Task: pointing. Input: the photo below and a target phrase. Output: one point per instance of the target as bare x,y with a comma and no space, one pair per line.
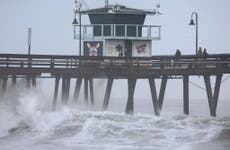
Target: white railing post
115,34
102,30
84,32
125,30
159,32
111,30
93,30
149,30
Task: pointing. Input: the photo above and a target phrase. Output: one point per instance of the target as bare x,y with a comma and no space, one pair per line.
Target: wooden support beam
1,84
217,89
28,82
186,94
154,96
162,91
34,84
14,80
56,92
64,90
77,89
131,89
91,87
209,95
4,84
67,88
107,93
86,91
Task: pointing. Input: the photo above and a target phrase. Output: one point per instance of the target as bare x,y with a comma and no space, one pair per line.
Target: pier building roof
119,9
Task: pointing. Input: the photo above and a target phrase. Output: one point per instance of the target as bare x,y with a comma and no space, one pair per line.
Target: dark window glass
97,30
120,30
107,30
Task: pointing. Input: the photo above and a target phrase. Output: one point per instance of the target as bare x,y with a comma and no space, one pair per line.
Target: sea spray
28,108
17,111
74,129
135,132
44,122
8,120
27,111
70,128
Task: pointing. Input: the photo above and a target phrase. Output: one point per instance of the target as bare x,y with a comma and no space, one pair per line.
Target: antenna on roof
106,3
158,6
87,7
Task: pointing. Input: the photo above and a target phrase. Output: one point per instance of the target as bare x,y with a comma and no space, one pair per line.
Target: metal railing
152,32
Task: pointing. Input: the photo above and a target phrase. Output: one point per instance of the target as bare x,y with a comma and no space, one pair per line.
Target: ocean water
27,123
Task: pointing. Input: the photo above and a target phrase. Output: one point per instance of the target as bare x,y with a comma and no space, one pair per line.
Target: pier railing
152,32
154,62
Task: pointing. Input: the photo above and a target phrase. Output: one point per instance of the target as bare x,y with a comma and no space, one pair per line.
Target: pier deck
104,67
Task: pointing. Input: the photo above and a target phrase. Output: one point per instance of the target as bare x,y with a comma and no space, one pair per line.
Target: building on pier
116,30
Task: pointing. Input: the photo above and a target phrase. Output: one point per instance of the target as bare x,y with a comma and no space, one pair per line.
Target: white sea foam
98,130
74,129
8,120
26,110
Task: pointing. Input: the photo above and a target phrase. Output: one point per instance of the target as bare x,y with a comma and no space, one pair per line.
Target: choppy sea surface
25,125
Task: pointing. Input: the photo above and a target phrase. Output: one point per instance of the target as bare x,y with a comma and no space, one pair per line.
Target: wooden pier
85,69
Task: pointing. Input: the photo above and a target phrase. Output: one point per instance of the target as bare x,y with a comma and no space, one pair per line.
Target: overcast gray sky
52,29
51,21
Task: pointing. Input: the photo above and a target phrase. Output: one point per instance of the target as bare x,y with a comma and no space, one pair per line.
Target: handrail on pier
154,62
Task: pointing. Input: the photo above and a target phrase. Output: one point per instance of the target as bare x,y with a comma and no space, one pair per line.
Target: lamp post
29,40
195,23
75,23
80,30
29,45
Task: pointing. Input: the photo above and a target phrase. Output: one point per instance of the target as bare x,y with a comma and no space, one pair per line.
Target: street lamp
195,23
29,40
77,9
74,23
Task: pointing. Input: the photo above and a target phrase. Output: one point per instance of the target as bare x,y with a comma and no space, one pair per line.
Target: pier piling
86,91
158,101
131,89
162,91
154,96
77,89
0,84
217,89
34,83
57,79
107,93
65,89
91,87
28,82
14,80
186,94
212,98
4,84
209,95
